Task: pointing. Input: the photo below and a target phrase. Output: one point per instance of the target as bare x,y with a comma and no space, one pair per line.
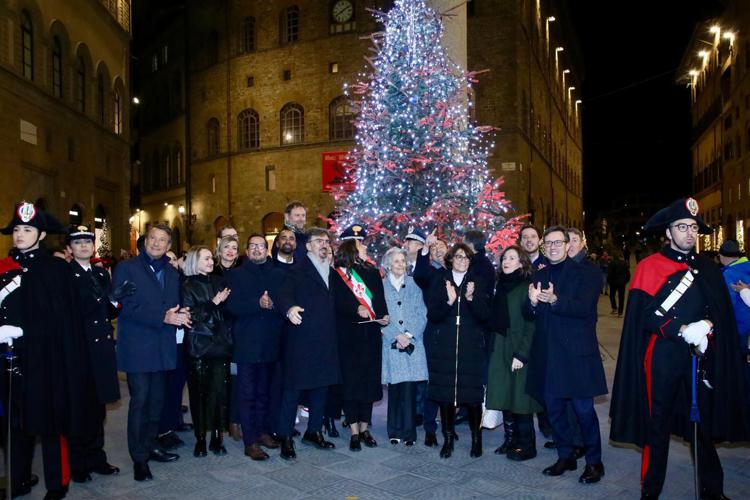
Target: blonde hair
226,240
191,261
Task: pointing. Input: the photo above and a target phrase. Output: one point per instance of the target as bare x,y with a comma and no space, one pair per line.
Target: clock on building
342,11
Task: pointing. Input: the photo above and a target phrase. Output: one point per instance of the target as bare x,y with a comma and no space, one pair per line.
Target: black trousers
402,411
357,411
316,402
54,456
208,388
254,382
87,451
144,412
171,413
670,372
619,303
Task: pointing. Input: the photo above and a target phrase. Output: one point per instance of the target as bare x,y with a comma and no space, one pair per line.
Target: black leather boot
330,426
287,448
509,426
525,447
447,422
216,445
200,447
475,424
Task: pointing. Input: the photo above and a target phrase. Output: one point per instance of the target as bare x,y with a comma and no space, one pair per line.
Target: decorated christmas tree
419,160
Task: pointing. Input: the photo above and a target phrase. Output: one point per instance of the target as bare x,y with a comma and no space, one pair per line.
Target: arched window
248,126
341,115
292,124
166,176
101,109
81,84
290,25
57,71
178,165
247,35
27,45
212,136
117,112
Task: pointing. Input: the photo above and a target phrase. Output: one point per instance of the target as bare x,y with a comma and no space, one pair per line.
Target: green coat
506,390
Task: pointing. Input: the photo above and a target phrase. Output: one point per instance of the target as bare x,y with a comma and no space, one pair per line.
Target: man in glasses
564,365
310,355
678,314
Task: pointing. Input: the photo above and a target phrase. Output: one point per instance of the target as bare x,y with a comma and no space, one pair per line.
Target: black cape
725,411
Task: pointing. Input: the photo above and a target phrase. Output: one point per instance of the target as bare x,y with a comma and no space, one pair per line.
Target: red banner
334,171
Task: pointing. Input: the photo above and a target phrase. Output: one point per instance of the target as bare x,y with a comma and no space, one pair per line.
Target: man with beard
257,335
564,366
40,321
678,325
98,308
528,239
310,357
285,245
295,218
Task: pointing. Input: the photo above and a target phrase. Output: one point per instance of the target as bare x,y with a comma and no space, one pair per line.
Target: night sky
636,119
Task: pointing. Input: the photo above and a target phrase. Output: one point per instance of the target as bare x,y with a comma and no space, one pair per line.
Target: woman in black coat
208,345
457,305
360,344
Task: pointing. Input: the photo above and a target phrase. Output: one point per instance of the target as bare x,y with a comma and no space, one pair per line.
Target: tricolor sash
358,287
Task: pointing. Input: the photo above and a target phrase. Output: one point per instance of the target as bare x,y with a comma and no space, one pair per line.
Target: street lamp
136,101
565,72
578,102
570,89
557,52
550,19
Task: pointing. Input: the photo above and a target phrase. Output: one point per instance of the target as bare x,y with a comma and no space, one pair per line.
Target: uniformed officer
98,308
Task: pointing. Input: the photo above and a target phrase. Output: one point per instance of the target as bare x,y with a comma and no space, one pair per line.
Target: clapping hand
469,291
534,292
547,295
221,296
452,295
265,301
178,317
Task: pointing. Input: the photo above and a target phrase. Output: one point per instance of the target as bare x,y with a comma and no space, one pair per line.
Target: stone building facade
266,114
64,89
716,66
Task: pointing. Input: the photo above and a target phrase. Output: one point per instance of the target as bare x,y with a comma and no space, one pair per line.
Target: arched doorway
272,223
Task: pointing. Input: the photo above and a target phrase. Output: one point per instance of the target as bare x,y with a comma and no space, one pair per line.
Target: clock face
343,11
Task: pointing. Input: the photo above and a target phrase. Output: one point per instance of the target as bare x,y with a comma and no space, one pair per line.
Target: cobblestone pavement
397,472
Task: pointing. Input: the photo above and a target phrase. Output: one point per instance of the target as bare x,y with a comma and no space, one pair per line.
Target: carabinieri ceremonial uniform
673,292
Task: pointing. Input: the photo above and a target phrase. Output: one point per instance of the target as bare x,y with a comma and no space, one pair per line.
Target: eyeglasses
256,245
460,257
684,227
556,244
322,241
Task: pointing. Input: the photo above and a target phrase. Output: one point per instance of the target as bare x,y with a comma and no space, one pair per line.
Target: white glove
696,332
703,345
517,364
8,333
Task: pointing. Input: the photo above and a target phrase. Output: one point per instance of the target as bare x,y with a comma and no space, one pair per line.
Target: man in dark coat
147,343
565,366
40,321
310,357
678,314
618,275
98,309
295,218
257,326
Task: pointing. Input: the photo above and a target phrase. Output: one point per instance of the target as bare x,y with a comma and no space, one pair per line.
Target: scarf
324,268
500,314
458,278
156,264
396,282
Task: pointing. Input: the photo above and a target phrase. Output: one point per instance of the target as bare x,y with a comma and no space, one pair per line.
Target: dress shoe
170,441
158,455
186,426
106,469
255,452
592,473
200,448
235,431
287,449
56,494
367,438
521,454
408,442
394,440
430,439
80,477
559,467
268,441
476,444
354,443
141,472
25,486
705,495
550,445
317,439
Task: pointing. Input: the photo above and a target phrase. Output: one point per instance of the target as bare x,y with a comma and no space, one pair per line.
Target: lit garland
419,160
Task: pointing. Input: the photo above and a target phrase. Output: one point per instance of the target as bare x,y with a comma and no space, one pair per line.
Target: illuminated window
117,112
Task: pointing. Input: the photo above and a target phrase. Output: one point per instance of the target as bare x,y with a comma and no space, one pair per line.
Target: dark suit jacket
310,358
565,360
144,342
97,312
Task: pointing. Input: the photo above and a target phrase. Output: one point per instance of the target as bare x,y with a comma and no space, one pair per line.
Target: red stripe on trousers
647,370
64,463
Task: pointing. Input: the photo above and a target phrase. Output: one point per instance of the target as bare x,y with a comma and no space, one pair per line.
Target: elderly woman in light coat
404,360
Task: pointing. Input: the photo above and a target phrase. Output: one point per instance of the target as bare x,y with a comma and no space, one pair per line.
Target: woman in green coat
506,387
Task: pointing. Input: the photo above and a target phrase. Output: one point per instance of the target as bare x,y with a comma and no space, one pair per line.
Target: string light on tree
419,160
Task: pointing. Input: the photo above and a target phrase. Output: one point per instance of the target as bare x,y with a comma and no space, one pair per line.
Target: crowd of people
314,324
